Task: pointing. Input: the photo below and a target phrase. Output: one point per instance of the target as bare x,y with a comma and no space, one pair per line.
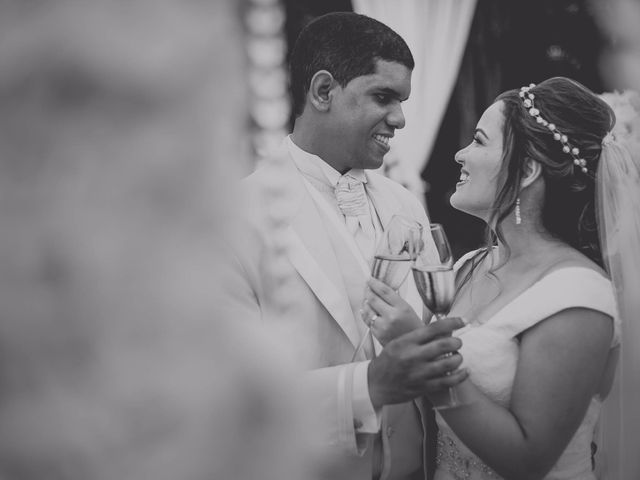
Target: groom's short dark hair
347,45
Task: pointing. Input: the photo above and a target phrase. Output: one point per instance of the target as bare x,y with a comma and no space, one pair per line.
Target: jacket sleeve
327,392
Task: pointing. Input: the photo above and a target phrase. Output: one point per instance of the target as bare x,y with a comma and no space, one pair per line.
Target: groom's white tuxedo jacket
327,289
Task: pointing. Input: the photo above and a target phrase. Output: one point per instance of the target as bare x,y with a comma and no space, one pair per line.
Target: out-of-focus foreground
120,126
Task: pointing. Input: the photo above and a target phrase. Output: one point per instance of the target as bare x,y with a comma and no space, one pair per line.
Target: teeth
464,176
382,139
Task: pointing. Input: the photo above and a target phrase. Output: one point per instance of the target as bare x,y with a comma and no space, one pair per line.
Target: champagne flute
435,281
395,252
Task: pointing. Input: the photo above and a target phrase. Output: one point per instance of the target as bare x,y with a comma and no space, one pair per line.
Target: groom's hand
414,364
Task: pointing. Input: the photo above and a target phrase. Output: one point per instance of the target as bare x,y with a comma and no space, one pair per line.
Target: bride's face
480,163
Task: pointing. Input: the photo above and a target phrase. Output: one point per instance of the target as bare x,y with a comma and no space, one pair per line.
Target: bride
543,331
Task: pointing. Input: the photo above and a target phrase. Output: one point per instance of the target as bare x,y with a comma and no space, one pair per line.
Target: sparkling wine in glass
391,269
395,252
435,281
436,286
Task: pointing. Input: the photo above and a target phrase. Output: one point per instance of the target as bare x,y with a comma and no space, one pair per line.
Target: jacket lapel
385,203
311,254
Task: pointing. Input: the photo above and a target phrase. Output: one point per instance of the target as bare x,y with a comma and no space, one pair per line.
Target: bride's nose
459,156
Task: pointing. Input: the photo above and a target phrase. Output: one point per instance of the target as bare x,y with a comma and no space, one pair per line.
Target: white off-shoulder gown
490,353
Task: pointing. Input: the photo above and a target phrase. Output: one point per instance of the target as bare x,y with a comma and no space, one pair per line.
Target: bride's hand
392,315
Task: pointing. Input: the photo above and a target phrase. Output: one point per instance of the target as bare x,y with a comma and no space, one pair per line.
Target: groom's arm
337,396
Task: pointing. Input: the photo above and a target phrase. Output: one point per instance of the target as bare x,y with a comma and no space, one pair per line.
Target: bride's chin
454,201
459,205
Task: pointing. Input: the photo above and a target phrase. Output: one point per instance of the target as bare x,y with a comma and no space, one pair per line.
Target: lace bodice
490,353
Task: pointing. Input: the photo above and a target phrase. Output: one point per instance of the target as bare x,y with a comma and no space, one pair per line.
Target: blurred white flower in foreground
122,125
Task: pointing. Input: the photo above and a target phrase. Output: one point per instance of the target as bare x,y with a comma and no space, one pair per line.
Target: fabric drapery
436,32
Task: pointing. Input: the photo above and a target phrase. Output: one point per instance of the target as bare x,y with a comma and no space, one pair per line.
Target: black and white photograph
319,240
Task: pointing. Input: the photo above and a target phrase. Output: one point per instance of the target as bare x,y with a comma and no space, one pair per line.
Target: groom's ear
532,170
320,90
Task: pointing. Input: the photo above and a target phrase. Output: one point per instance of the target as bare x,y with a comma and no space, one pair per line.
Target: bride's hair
568,211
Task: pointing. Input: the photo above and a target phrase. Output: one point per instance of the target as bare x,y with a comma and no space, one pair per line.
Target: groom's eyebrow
393,93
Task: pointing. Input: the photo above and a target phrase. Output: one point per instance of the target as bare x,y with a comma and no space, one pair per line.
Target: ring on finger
373,319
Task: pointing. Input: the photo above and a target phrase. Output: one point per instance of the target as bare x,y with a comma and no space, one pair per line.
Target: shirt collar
314,166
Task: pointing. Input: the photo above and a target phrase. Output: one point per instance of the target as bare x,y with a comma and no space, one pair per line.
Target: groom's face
366,113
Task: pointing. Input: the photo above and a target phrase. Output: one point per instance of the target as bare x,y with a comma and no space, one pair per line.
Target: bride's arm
561,361
560,365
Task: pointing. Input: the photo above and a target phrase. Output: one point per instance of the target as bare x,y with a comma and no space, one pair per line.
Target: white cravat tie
354,205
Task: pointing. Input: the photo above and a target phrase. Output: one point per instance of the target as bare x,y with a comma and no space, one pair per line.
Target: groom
349,77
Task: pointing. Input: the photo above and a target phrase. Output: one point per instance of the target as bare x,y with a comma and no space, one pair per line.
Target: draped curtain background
436,32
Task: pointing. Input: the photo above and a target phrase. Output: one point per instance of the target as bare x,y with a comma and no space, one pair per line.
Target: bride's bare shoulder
570,257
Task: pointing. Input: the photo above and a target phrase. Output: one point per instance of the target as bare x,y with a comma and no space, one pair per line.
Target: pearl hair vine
528,102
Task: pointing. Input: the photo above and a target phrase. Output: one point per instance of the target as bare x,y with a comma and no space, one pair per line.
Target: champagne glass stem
453,400
368,336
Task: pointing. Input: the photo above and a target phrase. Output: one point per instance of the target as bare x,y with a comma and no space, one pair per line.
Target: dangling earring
518,217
